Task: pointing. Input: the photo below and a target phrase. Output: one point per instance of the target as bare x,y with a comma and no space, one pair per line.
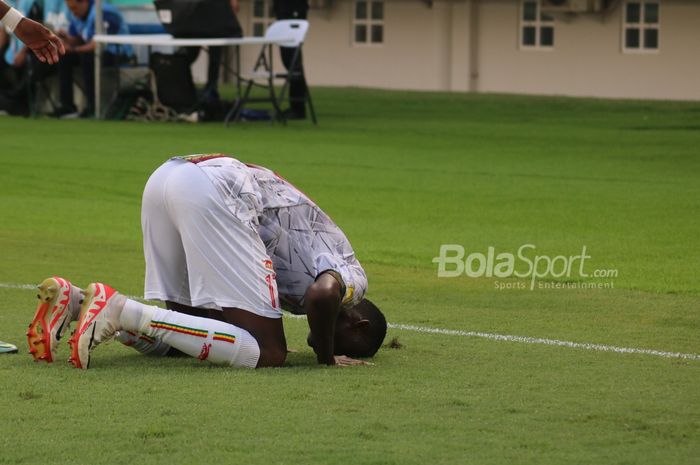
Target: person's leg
15,99
199,255
105,312
65,73
7,73
297,83
268,332
166,264
205,338
167,277
87,64
211,89
152,346
227,264
190,52
285,9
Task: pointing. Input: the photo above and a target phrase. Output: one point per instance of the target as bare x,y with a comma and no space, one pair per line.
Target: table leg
98,81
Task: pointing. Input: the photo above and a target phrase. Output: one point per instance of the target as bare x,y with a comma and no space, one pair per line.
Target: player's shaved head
360,331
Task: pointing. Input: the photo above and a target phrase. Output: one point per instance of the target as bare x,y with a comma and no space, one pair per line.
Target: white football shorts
197,251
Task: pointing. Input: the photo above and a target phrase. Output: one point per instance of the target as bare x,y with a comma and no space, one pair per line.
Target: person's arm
84,48
322,304
44,43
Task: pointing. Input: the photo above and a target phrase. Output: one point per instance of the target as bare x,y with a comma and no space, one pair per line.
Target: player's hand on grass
345,361
45,44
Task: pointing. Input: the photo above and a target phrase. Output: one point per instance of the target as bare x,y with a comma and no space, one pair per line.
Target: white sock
76,299
204,338
143,343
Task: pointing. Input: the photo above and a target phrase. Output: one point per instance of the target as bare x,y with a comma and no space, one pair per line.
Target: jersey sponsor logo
268,265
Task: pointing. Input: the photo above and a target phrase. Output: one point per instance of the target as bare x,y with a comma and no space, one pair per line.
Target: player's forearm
322,325
4,8
322,304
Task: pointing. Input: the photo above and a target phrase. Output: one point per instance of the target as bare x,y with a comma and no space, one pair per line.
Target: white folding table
154,40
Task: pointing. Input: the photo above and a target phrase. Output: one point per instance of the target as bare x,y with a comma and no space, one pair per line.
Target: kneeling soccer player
219,238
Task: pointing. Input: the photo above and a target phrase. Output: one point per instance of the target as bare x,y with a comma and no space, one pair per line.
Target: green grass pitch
401,173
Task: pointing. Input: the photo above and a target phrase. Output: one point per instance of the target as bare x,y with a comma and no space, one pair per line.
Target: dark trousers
297,83
18,85
86,63
293,9
215,54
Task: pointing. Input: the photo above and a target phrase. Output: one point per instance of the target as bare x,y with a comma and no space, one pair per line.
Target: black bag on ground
125,100
174,81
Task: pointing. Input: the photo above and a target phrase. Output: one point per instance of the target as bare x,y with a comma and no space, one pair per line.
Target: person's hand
44,43
345,361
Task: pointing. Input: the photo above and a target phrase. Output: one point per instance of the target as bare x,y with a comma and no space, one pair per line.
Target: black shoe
87,113
65,112
210,97
291,114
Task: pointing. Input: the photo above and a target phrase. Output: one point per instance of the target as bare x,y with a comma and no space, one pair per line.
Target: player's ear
360,323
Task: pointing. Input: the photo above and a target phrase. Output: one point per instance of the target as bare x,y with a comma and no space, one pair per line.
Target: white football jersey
300,238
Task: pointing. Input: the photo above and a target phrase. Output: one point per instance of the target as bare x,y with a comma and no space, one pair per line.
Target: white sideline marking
549,342
491,336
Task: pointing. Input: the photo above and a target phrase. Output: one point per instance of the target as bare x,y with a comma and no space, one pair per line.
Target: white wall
587,59
429,48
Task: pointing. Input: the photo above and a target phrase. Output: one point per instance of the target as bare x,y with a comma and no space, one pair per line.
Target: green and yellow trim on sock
179,329
225,337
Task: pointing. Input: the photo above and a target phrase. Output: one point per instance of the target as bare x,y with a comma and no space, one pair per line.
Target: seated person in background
56,15
80,51
19,67
210,94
